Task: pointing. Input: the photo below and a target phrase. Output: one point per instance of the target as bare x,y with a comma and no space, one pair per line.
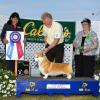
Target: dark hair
86,20
13,15
46,14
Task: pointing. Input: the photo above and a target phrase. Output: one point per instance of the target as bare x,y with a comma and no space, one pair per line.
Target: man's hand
5,41
52,45
45,50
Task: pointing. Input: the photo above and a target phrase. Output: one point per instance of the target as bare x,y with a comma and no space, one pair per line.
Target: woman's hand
95,45
75,45
5,41
86,50
24,40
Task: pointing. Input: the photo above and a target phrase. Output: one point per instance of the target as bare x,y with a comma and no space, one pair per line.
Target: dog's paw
69,76
45,77
96,77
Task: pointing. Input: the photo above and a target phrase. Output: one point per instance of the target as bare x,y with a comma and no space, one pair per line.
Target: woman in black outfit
85,44
13,24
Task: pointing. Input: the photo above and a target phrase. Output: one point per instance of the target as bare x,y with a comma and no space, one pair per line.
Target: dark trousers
10,65
56,54
84,66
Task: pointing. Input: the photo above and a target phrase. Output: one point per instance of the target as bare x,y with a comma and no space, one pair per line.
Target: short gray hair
45,15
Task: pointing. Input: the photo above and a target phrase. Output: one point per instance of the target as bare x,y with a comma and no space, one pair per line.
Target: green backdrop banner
34,30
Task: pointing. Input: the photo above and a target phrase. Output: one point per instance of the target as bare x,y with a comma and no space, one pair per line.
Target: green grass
54,97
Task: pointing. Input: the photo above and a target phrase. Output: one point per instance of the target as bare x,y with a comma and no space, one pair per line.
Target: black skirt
84,65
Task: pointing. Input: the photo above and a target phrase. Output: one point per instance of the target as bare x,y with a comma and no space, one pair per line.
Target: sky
65,10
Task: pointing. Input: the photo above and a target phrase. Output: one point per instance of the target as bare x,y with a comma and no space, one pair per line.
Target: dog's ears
37,53
43,53
40,53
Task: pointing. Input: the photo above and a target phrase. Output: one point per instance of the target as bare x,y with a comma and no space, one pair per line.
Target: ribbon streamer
15,37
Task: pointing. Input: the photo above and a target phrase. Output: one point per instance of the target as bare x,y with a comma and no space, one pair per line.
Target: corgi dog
47,67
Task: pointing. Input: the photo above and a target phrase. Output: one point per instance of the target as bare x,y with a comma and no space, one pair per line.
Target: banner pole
16,65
